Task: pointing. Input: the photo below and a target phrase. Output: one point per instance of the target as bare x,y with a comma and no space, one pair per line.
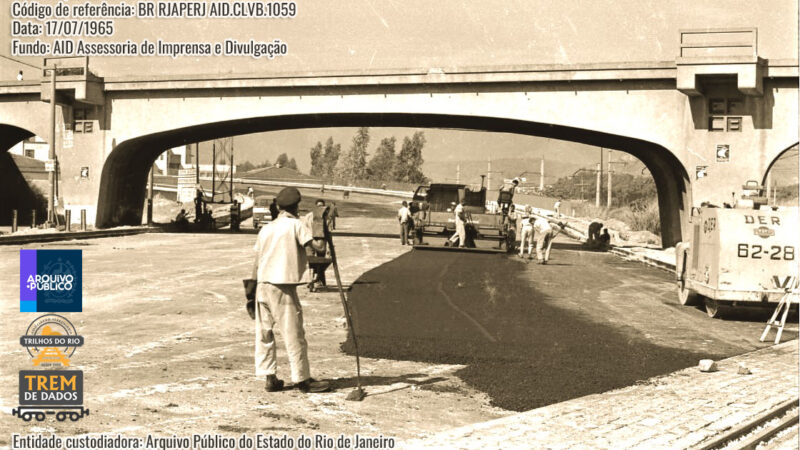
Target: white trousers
278,304
526,238
460,234
543,242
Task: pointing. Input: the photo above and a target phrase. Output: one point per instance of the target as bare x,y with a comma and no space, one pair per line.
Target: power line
20,62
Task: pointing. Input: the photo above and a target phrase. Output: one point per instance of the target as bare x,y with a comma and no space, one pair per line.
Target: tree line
282,161
386,164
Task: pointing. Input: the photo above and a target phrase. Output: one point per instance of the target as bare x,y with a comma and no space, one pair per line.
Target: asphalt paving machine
742,254
433,208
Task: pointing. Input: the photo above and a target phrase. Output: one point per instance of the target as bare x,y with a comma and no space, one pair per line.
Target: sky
357,35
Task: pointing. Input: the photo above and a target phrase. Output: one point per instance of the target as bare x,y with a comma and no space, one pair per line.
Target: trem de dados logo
50,340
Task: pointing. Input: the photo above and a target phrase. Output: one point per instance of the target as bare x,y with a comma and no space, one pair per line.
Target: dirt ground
169,349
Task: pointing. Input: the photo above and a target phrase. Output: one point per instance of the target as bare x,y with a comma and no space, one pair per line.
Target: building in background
33,147
175,159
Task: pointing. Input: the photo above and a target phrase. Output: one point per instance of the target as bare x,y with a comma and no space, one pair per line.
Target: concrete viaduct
671,115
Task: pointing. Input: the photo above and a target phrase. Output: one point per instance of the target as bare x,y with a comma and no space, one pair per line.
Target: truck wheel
686,296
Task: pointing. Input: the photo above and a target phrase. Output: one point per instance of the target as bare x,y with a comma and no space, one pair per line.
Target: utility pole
197,163
489,175
51,155
599,172
600,178
150,196
231,170
609,178
213,169
582,184
541,175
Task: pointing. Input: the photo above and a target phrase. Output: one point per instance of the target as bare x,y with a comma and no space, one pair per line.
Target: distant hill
277,173
441,171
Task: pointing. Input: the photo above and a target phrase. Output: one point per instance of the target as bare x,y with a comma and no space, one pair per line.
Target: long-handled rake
358,393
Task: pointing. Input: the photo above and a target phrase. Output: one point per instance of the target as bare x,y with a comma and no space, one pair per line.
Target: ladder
792,295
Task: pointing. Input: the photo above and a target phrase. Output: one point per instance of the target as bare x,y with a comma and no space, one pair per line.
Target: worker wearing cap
280,266
545,232
526,233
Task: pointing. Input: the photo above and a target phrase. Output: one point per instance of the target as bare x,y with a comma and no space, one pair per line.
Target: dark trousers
404,233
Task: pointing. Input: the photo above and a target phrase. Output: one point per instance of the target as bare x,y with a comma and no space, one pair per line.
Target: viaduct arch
122,186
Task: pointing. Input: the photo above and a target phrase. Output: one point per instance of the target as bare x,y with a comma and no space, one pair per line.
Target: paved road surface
532,335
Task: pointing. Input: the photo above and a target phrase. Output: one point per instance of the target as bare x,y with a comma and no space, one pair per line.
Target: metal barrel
67,219
83,220
33,218
14,221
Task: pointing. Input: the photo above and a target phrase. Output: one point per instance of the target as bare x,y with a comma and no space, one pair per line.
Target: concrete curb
73,235
644,259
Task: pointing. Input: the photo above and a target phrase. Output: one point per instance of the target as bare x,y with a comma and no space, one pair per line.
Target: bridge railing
297,184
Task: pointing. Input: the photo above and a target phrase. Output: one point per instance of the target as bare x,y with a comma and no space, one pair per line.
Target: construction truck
438,201
261,213
742,254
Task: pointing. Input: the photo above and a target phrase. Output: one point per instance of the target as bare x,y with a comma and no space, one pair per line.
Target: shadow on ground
473,309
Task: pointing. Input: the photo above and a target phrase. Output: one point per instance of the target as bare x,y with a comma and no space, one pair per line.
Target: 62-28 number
756,251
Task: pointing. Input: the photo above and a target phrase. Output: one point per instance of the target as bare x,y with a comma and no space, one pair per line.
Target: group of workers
596,240
410,216
532,229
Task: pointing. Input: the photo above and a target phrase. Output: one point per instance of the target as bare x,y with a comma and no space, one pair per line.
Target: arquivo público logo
51,340
50,281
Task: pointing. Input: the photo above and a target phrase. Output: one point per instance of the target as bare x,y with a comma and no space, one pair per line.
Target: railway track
759,430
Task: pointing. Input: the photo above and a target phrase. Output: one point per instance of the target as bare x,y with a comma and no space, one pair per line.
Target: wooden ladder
792,295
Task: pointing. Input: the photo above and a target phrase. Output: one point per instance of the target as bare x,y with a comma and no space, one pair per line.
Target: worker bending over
280,265
545,233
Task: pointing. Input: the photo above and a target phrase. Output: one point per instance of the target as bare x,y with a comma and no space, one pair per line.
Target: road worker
318,271
404,218
526,233
506,195
235,214
280,266
460,235
545,233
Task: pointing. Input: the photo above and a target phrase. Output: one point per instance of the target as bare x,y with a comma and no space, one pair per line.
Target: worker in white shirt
403,215
460,235
557,208
526,233
545,232
506,195
280,266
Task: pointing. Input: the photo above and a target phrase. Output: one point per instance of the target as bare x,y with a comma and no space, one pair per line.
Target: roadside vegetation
634,199
387,166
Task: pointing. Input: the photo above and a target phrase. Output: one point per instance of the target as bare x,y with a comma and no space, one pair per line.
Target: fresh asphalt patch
518,347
